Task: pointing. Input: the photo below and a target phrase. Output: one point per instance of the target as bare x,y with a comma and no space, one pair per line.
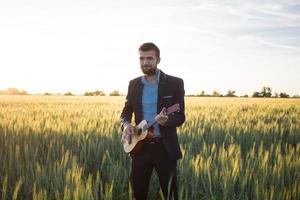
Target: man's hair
149,46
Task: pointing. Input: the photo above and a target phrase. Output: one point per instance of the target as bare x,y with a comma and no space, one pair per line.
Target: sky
71,45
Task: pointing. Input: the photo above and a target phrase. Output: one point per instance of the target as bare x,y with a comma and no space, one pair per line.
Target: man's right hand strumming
127,132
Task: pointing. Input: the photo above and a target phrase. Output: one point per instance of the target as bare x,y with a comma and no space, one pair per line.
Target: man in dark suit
147,98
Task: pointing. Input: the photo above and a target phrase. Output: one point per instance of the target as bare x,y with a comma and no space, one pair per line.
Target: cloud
268,43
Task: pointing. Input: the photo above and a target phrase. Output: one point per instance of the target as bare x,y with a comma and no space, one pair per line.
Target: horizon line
120,93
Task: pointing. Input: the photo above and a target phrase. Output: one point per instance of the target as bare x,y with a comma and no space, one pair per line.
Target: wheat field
68,147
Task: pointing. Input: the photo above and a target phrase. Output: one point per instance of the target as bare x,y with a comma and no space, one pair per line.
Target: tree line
89,93
15,91
265,92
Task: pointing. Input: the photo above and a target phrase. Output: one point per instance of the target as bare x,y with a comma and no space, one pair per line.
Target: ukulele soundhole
140,131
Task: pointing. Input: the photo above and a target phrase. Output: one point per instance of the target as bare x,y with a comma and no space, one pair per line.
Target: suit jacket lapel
162,88
138,100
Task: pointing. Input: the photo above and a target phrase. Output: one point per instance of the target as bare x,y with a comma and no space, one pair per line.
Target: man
147,96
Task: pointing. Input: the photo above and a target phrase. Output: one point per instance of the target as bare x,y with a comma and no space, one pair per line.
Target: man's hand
162,117
127,132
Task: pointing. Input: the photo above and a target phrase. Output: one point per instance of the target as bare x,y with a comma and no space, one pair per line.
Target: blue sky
59,46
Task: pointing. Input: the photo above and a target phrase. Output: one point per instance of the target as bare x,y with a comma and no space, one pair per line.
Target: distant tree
115,93
96,93
88,94
12,91
284,95
276,95
246,96
266,92
230,93
15,91
216,94
23,92
47,93
202,94
69,94
257,94
99,93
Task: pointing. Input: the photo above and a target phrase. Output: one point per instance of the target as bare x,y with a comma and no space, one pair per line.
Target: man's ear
158,60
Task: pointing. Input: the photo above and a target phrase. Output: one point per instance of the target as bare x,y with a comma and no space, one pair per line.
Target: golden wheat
54,147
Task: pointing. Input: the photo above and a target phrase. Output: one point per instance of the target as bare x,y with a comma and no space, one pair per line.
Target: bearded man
148,98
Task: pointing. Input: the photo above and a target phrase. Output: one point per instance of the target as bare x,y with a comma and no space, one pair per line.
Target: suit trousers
153,156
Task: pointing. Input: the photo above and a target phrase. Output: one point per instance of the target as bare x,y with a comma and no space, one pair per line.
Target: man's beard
150,71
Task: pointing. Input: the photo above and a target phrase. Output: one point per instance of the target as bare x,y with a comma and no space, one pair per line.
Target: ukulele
144,132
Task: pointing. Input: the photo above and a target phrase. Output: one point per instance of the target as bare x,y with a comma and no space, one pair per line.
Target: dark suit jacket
170,91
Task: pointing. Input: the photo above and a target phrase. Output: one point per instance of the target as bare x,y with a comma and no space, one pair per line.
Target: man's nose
145,62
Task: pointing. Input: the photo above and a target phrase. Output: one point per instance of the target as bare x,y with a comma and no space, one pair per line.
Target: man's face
148,62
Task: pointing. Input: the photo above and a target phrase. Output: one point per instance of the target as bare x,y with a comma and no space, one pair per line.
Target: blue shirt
149,102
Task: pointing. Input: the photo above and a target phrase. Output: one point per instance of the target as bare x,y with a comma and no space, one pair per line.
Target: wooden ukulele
144,132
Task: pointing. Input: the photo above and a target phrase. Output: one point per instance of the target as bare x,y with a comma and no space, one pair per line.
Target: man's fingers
131,130
161,119
124,137
127,133
163,111
128,138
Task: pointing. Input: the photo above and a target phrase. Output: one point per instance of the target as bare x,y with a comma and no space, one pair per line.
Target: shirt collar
144,81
